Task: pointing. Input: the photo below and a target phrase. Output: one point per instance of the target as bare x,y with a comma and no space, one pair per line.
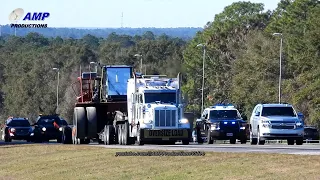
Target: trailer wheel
79,120
92,121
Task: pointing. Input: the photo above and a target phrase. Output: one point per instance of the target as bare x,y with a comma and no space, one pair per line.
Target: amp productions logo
18,14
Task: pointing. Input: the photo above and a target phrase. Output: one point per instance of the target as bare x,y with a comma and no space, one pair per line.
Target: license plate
165,133
229,134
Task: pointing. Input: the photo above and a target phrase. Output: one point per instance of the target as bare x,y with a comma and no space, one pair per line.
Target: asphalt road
305,149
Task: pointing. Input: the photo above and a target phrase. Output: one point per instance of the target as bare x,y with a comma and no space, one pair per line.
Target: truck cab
223,122
276,121
154,104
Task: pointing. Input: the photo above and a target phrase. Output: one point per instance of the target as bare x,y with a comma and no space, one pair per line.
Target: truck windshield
163,97
224,114
278,111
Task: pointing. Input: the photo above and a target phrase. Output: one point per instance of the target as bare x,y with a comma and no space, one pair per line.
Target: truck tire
243,140
290,141
119,127
79,120
299,141
260,142
126,138
92,121
185,142
253,141
107,135
233,141
209,139
66,136
139,140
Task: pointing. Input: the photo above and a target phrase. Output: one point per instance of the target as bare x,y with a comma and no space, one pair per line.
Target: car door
256,118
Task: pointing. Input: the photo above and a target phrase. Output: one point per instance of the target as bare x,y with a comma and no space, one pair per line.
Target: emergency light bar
224,105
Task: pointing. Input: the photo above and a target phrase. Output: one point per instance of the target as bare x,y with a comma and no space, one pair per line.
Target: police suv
223,122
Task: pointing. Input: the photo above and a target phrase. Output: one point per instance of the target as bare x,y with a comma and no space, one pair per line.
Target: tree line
241,62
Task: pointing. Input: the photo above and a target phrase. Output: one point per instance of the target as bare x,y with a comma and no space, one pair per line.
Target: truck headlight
60,128
44,129
299,124
215,126
147,121
183,121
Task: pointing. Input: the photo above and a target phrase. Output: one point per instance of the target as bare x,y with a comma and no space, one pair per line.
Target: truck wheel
290,141
260,142
253,141
233,141
66,136
59,140
92,121
299,141
107,131
209,138
119,127
79,120
139,140
185,142
243,140
126,138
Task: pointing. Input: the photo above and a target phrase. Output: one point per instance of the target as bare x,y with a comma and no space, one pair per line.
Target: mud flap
92,122
79,120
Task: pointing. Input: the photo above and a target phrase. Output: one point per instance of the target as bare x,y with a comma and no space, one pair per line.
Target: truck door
256,118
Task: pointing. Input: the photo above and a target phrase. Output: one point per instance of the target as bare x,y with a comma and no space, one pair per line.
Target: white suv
276,121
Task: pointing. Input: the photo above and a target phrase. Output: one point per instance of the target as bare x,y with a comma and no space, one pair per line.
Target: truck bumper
149,135
221,135
276,134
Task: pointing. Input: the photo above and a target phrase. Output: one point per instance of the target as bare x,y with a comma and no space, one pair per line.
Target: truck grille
282,127
229,127
165,118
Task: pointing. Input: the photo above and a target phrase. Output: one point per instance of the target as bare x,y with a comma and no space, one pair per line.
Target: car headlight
44,129
215,126
183,121
12,129
60,128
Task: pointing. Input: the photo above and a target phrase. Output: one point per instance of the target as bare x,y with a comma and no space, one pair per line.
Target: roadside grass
50,161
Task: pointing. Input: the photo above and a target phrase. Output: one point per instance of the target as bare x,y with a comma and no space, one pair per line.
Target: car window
48,121
224,114
19,123
278,111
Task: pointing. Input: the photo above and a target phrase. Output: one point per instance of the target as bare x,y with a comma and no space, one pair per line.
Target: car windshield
48,121
163,97
19,123
224,114
278,111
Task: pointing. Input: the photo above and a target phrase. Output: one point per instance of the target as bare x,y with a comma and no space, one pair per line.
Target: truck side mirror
257,114
300,115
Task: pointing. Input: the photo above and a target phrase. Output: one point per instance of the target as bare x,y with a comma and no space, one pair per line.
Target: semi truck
124,107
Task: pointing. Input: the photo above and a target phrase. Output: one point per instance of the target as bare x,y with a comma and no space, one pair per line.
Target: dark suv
16,129
49,127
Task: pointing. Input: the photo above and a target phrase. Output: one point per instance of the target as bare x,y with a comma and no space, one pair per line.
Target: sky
136,13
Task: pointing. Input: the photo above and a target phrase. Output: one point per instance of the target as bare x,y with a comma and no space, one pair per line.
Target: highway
306,149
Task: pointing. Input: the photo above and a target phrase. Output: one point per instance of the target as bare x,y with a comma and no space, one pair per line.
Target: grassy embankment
38,161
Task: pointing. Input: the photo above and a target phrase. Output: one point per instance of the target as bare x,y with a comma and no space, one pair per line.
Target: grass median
36,161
